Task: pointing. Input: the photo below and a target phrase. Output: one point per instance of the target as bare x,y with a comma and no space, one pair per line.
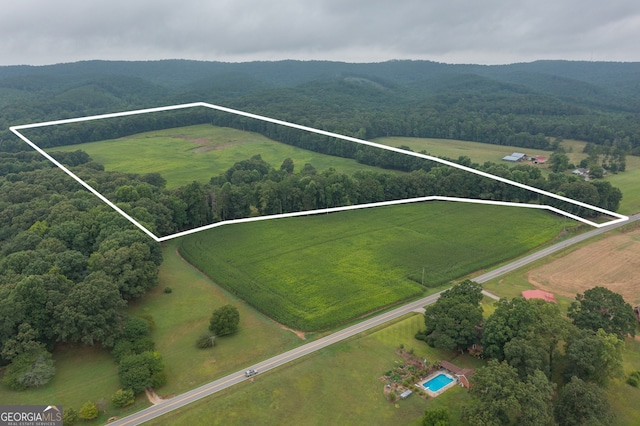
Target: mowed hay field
315,272
612,262
182,155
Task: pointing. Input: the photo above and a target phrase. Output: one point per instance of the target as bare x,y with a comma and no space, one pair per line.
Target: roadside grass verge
336,385
184,154
316,272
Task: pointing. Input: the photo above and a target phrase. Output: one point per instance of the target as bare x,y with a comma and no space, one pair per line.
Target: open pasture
315,272
479,152
337,385
182,155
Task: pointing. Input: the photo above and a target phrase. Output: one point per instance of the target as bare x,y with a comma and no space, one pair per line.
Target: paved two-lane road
279,360
276,361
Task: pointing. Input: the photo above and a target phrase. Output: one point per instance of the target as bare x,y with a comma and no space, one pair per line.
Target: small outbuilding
539,294
405,394
539,159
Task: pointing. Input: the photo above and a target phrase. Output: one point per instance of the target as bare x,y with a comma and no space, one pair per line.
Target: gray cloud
483,31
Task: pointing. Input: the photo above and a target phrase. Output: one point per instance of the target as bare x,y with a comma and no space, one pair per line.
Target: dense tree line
68,265
253,184
526,341
253,187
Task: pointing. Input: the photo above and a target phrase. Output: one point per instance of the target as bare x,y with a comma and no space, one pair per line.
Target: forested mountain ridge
504,104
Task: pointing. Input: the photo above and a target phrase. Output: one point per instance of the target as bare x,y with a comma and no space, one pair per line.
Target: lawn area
83,373
315,272
180,317
182,155
337,385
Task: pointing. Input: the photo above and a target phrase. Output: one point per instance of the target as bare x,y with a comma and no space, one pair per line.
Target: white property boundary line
16,131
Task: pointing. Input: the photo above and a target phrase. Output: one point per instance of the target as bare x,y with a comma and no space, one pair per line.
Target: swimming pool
438,382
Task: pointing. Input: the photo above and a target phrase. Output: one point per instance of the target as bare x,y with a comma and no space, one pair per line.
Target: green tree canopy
559,162
512,318
500,397
601,308
88,411
30,369
580,403
224,320
436,417
594,357
453,320
140,371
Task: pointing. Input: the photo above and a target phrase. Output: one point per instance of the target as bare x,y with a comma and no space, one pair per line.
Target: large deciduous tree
452,322
594,357
601,308
436,417
580,403
29,369
500,397
140,371
512,318
91,312
224,320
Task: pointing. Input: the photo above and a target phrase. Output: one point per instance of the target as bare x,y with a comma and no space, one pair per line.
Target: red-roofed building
539,159
539,294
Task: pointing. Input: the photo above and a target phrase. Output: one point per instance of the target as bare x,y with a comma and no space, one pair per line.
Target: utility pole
423,276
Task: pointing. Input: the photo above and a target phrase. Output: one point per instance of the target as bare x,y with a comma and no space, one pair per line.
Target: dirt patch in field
204,144
153,397
613,262
298,333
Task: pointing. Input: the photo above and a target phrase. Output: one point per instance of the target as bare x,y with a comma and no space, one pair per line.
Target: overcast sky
455,31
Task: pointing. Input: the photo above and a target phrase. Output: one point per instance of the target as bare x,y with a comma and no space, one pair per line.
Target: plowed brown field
613,262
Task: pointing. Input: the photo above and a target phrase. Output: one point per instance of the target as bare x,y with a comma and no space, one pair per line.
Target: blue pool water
437,383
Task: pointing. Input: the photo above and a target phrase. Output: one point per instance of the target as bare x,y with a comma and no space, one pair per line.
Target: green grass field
479,152
183,315
314,272
628,182
185,154
180,317
337,385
